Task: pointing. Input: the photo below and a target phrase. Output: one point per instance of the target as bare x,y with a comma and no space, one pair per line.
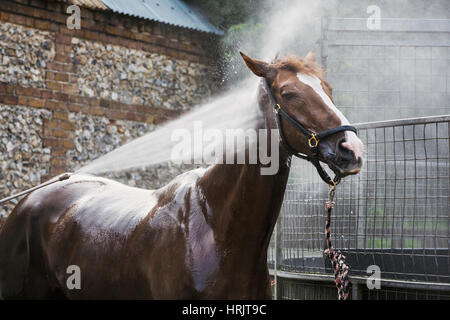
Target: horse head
310,124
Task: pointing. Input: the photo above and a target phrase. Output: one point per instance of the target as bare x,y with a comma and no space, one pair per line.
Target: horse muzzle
341,158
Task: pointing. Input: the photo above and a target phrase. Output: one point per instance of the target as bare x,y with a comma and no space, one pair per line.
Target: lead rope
337,259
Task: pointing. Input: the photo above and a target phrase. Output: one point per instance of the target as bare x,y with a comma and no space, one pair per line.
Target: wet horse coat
204,235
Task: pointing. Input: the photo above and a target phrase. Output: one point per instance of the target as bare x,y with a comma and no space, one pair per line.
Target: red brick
73,107
70,88
6,88
140,117
66,125
70,68
59,151
22,100
56,66
4,16
59,133
51,104
36,103
53,6
150,119
104,103
62,48
36,92
46,94
90,35
51,123
61,105
37,3
94,102
18,19
131,116
60,38
42,24
57,17
61,96
61,57
97,111
112,30
85,109
61,77
52,85
114,40
24,91
47,132
130,107
54,142
54,171
50,142
58,161
116,115
9,99
68,144
29,22
86,14
87,100
73,78
62,115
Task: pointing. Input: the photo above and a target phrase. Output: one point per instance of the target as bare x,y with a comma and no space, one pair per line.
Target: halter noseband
313,139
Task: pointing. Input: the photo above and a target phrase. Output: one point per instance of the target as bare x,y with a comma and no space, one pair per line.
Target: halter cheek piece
313,139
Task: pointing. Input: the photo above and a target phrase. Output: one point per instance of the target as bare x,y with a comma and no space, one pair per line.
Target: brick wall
162,70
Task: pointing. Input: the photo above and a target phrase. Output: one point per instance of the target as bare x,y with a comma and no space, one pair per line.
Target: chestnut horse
203,236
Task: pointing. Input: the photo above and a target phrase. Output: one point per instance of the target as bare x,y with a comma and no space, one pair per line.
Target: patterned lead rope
337,259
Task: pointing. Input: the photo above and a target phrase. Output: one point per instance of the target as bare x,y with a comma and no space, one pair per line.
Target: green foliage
241,37
378,243
238,18
227,13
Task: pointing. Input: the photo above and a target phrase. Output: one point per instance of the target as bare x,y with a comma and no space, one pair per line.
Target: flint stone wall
138,77
25,54
23,157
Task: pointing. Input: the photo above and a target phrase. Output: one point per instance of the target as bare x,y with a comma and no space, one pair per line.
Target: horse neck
244,203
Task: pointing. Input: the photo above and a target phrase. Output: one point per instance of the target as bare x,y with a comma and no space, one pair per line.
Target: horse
202,236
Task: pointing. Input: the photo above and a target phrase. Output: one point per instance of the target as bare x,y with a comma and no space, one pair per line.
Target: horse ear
258,67
310,57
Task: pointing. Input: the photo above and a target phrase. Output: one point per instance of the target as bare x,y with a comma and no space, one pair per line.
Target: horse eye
289,95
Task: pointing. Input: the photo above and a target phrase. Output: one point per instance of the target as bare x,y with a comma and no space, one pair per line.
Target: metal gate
394,215
400,71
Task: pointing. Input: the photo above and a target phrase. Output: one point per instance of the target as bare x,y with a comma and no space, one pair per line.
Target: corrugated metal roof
92,4
174,12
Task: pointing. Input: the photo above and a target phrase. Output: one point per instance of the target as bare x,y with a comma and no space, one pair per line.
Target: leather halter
313,138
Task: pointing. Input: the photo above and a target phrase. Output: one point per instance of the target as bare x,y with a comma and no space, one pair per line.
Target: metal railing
393,214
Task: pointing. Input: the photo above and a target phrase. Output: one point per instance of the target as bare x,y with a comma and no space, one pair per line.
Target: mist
285,27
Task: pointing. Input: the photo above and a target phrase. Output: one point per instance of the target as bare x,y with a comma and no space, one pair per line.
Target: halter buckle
277,107
332,188
313,141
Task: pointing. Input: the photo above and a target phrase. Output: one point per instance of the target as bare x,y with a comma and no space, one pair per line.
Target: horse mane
296,64
299,65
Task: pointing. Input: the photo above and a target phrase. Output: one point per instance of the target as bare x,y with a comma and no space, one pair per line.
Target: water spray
62,177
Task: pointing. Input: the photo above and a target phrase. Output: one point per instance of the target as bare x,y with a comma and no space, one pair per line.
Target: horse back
93,223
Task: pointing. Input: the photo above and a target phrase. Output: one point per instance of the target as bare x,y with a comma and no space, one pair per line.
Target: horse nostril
344,152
